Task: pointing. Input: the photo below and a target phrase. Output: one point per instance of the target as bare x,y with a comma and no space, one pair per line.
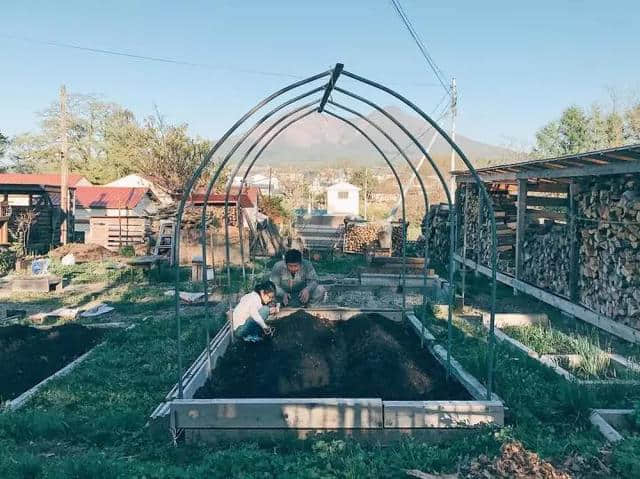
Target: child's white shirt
248,307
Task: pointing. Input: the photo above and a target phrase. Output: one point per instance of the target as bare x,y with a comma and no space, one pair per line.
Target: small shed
343,199
113,216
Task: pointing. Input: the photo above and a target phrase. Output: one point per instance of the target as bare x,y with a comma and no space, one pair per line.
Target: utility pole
64,167
454,111
269,182
366,175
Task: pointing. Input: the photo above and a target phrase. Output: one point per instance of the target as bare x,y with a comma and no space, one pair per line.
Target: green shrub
7,261
127,251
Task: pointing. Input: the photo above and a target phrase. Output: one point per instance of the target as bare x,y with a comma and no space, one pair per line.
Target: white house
343,199
141,181
259,181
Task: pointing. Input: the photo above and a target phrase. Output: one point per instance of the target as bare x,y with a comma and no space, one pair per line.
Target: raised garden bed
577,359
616,424
363,375
366,356
29,355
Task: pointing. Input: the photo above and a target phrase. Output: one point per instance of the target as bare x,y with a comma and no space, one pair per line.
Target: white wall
338,205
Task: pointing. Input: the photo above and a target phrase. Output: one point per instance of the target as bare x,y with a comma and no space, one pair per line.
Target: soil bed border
607,420
214,420
552,361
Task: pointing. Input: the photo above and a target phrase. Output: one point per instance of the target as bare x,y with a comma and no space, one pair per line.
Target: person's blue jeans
252,330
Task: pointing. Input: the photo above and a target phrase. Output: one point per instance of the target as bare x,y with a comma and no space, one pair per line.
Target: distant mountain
321,138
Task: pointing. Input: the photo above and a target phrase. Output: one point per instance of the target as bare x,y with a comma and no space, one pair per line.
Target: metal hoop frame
327,89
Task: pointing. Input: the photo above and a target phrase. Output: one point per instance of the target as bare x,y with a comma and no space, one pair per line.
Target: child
251,311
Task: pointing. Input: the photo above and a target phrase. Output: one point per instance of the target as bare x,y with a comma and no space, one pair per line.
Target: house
248,200
49,179
144,181
343,199
113,216
261,182
36,195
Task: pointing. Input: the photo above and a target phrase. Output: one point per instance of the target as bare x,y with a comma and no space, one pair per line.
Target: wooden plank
475,388
604,427
620,330
548,187
546,214
521,225
503,320
313,413
547,201
419,328
21,400
442,414
574,266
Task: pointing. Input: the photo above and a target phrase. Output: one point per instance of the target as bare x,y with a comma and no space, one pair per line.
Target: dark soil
29,355
367,356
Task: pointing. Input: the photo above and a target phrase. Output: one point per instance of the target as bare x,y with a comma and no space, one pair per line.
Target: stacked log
546,258
360,236
192,216
436,233
398,231
479,242
609,221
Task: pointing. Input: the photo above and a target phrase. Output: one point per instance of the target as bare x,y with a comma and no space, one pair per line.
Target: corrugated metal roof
624,159
49,179
109,197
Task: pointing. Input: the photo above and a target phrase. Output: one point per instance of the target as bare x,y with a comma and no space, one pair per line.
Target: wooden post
521,224
64,167
478,241
573,243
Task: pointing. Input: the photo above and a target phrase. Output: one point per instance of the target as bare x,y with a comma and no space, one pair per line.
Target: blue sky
517,64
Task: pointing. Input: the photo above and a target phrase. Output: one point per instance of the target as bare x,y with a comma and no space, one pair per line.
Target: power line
149,58
423,49
175,61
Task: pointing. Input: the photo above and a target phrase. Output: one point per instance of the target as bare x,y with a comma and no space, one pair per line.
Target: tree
4,143
363,179
632,124
574,132
548,141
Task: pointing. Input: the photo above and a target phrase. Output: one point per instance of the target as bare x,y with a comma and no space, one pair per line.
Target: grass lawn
92,423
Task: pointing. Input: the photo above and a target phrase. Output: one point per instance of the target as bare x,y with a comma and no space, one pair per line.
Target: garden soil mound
29,355
83,252
367,356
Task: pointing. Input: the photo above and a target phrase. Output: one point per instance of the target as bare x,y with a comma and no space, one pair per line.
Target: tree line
578,130
106,142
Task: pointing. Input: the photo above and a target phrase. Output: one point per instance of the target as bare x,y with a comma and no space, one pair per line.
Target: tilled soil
29,355
367,356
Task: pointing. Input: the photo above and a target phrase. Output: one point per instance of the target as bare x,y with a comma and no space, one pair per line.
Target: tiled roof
109,196
50,179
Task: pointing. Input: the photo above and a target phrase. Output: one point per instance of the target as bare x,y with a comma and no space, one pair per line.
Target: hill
322,138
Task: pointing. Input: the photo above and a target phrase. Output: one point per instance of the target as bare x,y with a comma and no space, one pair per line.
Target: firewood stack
609,221
397,233
546,258
479,244
359,236
437,233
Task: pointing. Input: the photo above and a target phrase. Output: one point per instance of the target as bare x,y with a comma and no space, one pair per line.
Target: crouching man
296,281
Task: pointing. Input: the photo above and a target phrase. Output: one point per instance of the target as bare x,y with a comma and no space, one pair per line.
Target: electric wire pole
64,168
454,111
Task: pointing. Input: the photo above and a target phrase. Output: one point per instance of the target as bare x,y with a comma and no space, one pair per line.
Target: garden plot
29,355
576,358
365,376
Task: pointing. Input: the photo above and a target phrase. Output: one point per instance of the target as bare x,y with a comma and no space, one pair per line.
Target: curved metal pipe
187,192
482,188
237,168
291,122
451,214
424,191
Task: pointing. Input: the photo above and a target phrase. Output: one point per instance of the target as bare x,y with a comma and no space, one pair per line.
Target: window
343,195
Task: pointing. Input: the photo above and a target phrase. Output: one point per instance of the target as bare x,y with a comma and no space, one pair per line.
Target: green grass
92,423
